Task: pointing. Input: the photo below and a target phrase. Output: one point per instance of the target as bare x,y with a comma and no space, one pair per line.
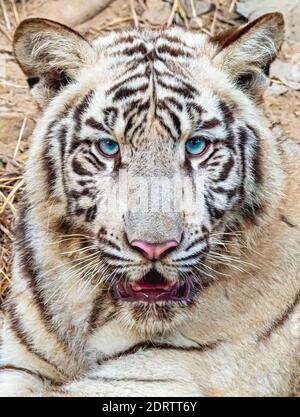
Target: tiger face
133,110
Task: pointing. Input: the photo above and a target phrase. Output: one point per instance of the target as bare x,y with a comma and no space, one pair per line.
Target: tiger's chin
150,320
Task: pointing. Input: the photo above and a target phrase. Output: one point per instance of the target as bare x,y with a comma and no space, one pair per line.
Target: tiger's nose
153,251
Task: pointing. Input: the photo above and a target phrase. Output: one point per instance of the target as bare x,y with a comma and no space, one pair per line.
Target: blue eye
196,146
108,147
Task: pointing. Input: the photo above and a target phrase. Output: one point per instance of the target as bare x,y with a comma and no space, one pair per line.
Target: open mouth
151,288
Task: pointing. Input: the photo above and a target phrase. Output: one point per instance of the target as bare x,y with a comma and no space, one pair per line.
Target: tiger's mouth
153,287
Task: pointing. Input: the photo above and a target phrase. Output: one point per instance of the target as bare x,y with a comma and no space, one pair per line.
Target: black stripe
227,113
172,39
285,220
226,169
125,92
137,380
173,116
77,142
138,128
108,242
242,144
123,39
91,213
24,338
80,109
50,169
115,257
96,125
94,160
96,320
79,169
159,346
257,165
174,102
214,212
195,242
166,127
210,124
123,82
110,116
131,106
194,109
31,272
189,257
172,51
62,143
129,124
136,49
281,320
183,91
229,193
36,374
48,162
62,140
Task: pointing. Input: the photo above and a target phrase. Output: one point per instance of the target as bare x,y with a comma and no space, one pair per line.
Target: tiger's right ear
51,55
246,52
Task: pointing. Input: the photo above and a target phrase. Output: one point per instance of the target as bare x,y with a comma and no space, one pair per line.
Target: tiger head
132,114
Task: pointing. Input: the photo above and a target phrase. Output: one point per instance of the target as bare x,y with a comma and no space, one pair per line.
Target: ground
18,113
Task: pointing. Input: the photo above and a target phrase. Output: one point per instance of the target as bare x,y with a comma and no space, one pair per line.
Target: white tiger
201,302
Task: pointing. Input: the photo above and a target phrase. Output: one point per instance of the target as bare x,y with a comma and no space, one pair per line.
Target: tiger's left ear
51,55
246,52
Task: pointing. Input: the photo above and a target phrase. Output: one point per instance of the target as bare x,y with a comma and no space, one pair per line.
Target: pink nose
153,250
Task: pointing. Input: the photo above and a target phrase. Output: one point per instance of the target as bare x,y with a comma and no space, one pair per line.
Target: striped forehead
150,88
173,42
170,109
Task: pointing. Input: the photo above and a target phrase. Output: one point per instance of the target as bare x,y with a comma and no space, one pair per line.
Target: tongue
144,291
145,285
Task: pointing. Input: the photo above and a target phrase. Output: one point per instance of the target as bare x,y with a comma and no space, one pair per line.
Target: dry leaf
201,7
157,12
288,73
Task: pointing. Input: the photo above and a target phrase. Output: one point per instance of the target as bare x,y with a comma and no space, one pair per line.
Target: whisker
74,273
87,248
233,259
82,274
226,264
73,261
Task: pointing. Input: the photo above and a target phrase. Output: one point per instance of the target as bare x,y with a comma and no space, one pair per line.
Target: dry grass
11,182
11,165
